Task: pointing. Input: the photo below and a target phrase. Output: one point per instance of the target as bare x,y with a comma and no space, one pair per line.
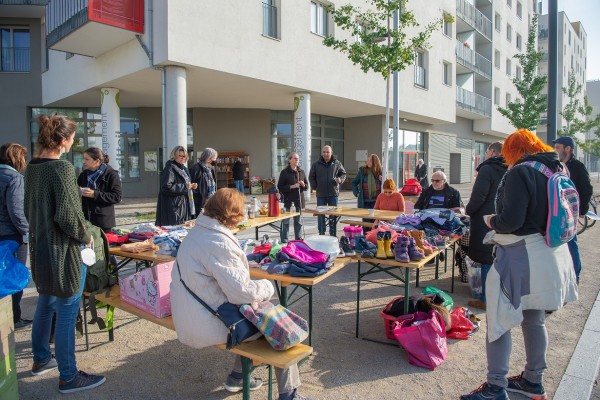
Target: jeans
285,227
288,379
485,268
239,185
64,339
327,201
535,337
574,250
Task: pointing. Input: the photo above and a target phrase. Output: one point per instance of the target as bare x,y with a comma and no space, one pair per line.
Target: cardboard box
149,289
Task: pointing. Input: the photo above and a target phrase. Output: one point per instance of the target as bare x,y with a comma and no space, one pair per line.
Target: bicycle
584,222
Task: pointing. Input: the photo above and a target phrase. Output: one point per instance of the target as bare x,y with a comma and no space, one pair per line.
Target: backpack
563,205
411,187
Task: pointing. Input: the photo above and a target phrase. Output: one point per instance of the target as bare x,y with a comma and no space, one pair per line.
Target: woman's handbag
281,327
423,336
239,327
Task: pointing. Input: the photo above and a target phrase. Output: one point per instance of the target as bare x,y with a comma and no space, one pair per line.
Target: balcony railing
63,17
14,59
420,74
473,60
472,16
473,102
269,20
23,2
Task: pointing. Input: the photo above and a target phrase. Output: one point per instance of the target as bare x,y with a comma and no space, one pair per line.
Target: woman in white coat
215,268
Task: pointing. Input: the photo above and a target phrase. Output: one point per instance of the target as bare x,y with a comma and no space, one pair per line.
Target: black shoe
22,323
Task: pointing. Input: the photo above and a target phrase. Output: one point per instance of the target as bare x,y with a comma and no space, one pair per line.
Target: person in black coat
238,175
175,201
439,194
100,187
203,175
292,181
489,175
421,172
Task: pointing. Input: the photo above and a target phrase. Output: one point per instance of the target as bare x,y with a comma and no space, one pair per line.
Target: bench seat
358,223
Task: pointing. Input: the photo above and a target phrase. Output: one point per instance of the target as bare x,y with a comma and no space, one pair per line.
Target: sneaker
235,385
22,323
42,368
367,254
346,247
518,384
341,252
82,381
294,396
487,391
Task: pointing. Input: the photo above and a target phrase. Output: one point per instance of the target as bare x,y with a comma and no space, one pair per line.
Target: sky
588,13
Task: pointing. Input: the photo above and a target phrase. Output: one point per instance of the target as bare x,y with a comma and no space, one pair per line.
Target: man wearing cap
564,146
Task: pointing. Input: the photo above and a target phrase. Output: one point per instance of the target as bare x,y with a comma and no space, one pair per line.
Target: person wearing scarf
203,175
176,199
367,184
100,188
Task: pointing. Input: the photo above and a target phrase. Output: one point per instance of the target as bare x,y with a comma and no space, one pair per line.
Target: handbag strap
216,314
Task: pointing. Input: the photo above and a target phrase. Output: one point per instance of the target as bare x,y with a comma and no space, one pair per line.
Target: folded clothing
139,247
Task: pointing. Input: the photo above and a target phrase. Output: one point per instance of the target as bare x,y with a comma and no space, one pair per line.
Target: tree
524,112
370,27
578,118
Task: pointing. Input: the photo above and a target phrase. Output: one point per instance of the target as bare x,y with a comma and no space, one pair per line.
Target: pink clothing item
395,202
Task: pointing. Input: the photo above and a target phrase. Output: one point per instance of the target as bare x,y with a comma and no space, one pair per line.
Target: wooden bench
357,223
252,353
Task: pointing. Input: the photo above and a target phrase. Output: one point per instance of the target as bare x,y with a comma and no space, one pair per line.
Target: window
269,11
508,66
14,47
518,72
508,32
447,73
569,38
519,42
519,10
498,22
447,28
496,96
497,59
509,3
319,19
420,71
508,98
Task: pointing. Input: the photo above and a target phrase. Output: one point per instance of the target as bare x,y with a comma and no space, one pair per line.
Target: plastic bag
14,276
448,302
423,336
463,324
474,269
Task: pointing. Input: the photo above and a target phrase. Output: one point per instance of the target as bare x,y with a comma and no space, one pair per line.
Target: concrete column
176,109
302,133
111,125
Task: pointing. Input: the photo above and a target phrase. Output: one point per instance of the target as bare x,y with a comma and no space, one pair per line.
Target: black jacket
581,179
238,171
13,223
522,199
322,176
451,197
100,210
490,172
173,205
202,175
287,178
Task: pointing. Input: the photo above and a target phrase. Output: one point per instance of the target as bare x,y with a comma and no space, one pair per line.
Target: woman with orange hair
527,277
390,199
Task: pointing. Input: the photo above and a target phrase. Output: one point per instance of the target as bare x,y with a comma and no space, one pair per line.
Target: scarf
371,184
94,176
186,177
210,182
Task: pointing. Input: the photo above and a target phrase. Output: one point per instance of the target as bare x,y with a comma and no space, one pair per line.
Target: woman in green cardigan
57,232
366,186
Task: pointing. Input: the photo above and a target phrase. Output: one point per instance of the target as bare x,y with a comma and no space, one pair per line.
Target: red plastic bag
411,187
462,327
423,336
372,234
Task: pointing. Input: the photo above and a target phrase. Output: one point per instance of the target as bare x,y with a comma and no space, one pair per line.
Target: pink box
148,289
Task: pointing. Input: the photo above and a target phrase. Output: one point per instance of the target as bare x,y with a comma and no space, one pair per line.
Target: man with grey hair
439,194
204,175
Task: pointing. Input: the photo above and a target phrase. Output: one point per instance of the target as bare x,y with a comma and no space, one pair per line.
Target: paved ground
147,362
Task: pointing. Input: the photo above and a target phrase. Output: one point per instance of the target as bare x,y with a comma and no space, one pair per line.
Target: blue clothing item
239,185
285,228
12,211
327,201
295,270
574,250
66,310
257,257
485,268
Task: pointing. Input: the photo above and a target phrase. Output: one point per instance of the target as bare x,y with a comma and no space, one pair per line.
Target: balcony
24,2
473,60
472,16
14,59
92,27
473,103
420,74
269,20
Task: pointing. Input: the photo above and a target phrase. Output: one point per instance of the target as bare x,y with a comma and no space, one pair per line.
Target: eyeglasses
182,155
437,180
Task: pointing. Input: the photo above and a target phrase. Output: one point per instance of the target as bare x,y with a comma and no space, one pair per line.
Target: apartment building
140,77
572,58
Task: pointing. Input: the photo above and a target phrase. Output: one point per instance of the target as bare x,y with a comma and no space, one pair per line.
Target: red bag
423,336
263,249
114,238
372,234
462,327
411,187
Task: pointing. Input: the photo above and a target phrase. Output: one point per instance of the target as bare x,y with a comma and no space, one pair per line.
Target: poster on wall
150,161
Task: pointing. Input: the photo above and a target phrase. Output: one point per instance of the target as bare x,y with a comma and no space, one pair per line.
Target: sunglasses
436,180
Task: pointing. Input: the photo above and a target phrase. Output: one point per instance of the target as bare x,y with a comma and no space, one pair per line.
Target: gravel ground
147,362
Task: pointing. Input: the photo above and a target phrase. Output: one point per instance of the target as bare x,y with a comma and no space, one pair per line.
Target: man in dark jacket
564,146
439,194
489,174
326,175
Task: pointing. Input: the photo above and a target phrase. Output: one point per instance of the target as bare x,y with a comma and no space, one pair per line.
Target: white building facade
225,75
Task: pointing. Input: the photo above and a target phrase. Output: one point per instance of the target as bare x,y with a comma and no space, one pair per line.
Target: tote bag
423,336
